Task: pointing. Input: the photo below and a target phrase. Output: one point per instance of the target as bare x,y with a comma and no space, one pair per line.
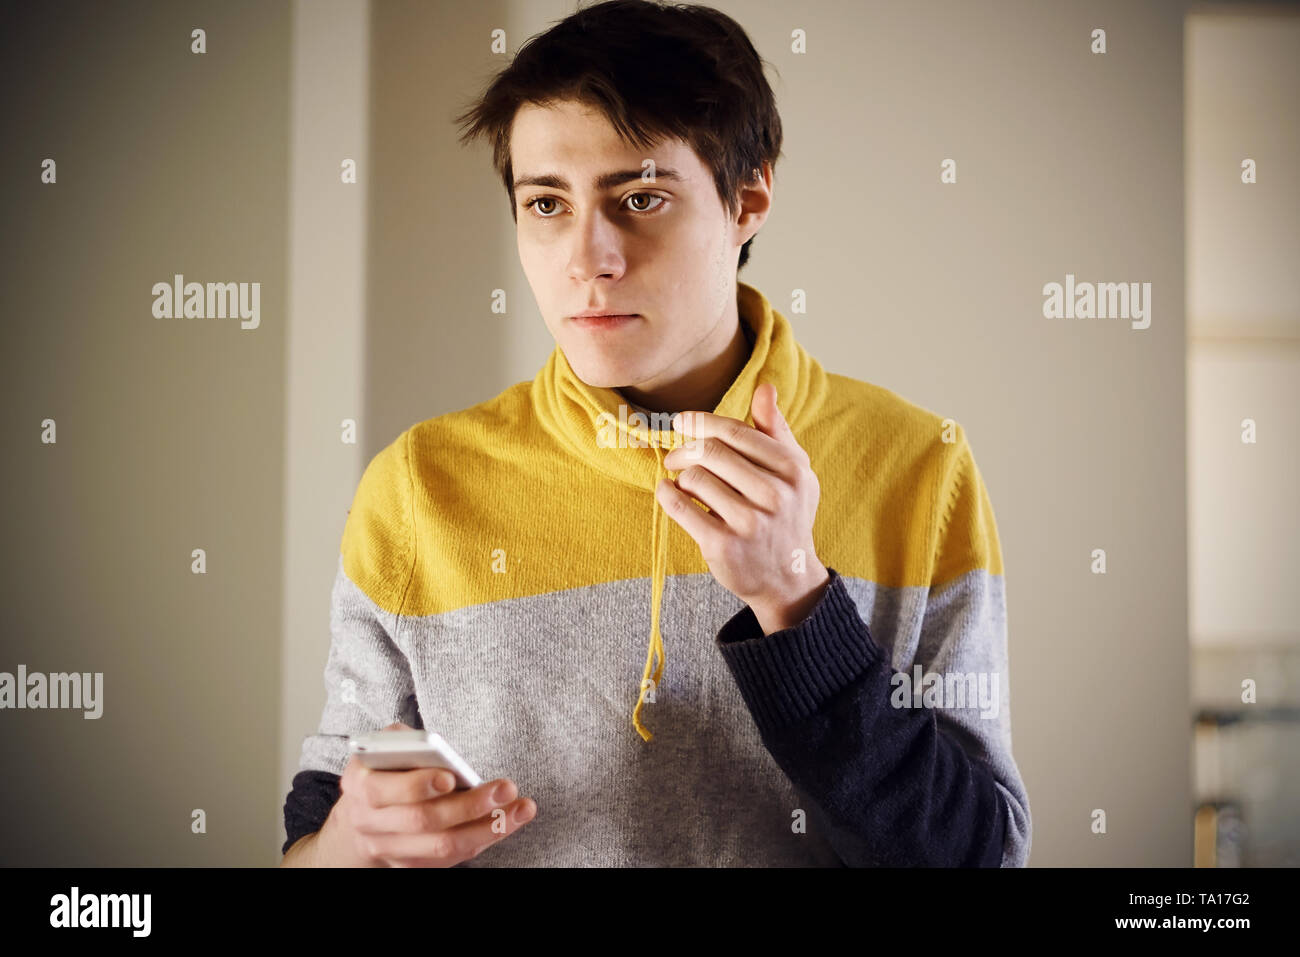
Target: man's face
663,250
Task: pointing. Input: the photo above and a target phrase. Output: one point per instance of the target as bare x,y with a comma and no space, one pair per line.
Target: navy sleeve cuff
788,675
309,803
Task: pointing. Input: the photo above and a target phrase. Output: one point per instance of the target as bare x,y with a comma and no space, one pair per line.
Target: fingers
379,788
701,483
447,811
749,478
451,846
706,529
756,446
486,831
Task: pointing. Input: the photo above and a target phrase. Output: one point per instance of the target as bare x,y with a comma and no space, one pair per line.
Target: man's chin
603,380
599,374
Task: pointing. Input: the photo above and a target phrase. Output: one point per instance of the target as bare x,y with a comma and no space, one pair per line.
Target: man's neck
704,388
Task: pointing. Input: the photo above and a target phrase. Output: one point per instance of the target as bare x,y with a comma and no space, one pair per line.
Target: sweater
498,563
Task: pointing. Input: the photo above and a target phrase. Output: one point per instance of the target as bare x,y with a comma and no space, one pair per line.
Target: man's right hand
415,818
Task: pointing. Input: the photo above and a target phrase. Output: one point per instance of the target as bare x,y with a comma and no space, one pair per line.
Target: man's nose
597,249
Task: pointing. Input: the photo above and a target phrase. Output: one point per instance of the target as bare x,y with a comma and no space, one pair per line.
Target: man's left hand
762,495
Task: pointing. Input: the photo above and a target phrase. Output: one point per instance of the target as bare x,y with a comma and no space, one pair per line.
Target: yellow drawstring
659,564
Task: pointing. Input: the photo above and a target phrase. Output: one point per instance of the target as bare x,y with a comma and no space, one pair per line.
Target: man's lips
602,322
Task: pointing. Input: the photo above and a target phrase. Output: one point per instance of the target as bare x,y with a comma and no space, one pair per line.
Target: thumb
774,422
780,416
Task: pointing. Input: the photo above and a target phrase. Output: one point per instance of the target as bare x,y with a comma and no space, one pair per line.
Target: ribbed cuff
788,675
312,797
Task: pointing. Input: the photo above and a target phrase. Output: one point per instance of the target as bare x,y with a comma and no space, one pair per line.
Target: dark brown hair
655,70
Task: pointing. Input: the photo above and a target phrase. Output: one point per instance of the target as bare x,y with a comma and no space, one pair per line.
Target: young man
819,571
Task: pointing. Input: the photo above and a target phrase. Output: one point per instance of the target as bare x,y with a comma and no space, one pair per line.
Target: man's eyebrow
601,183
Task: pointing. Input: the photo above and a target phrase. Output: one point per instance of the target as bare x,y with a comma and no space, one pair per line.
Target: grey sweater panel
541,690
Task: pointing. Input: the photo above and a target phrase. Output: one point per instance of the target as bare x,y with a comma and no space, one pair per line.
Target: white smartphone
399,750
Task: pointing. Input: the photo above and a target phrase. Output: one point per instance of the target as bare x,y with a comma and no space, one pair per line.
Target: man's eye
646,209
539,199
541,214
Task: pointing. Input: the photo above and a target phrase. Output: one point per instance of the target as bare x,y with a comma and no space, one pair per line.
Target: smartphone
399,750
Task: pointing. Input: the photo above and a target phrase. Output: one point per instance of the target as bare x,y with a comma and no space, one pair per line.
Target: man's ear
755,202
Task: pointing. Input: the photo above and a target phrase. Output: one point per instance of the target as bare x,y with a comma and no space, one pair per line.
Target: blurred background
1243,363
226,165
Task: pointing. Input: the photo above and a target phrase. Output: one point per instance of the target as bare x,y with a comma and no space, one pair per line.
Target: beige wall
375,306
326,381
1243,244
170,432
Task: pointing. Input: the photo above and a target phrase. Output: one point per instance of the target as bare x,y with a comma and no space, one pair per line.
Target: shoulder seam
410,533
946,496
